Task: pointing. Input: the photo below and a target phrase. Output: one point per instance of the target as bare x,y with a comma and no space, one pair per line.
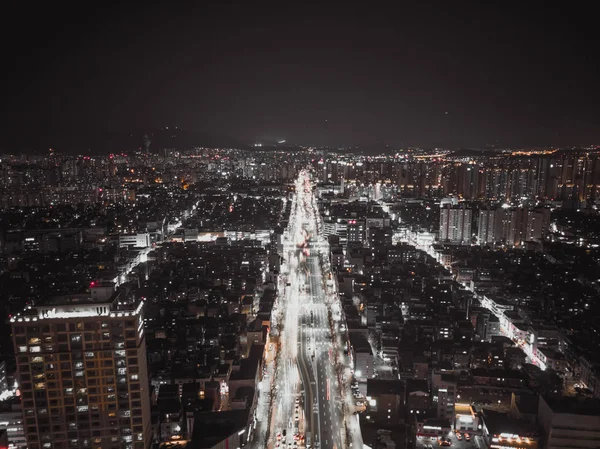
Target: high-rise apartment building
512,226
455,225
486,227
82,372
356,231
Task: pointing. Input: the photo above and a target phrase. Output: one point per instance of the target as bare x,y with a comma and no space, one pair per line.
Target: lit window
35,349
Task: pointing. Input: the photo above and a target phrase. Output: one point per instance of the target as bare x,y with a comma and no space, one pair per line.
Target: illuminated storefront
433,428
466,420
513,441
501,431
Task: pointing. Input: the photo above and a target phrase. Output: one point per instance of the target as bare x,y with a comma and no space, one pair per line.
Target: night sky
348,75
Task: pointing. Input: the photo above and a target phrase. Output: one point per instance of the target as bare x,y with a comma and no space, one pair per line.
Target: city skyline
276,226
307,298
443,76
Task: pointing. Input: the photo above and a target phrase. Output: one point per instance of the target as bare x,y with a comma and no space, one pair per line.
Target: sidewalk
259,436
353,436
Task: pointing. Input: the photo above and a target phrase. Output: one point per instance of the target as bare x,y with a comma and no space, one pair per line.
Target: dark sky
439,74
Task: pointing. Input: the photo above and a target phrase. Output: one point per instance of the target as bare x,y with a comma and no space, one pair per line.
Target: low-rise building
362,356
570,422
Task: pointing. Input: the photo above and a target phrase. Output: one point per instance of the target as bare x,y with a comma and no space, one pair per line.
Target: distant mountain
94,142
182,139
470,152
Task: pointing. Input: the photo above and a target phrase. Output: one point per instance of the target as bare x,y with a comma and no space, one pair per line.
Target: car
284,432
445,443
279,436
467,437
458,436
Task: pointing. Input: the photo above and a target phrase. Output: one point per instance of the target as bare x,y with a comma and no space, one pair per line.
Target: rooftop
210,429
377,387
498,423
574,405
80,306
360,343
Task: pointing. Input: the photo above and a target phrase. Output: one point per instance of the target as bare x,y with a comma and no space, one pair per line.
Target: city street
306,396
475,443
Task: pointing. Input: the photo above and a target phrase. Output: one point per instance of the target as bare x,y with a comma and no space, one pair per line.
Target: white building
362,356
569,422
486,227
12,421
455,225
444,387
136,240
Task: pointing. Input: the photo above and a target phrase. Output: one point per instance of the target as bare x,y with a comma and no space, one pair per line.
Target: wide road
307,398
328,396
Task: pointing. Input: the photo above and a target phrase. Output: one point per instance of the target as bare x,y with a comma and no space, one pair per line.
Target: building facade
81,366
455,225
